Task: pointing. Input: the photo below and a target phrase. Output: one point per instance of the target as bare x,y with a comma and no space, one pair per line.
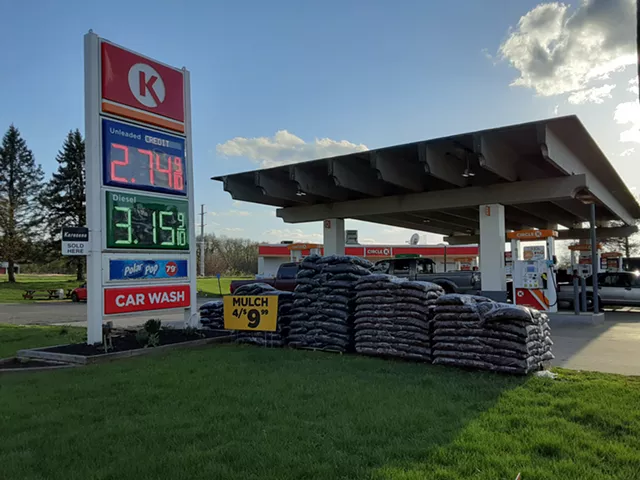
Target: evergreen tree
64,196
20,188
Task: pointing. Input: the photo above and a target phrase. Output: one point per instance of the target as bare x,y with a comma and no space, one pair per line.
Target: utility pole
202,213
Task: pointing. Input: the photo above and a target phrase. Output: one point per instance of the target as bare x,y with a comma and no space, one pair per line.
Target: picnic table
48,294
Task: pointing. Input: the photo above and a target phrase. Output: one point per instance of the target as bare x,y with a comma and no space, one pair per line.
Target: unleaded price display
143,159
143,222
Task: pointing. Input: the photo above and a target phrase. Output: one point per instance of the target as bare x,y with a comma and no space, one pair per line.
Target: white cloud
555,110
628,152
234,230
633,85
628,114
231,213
294,234
285,147
591,95
557,51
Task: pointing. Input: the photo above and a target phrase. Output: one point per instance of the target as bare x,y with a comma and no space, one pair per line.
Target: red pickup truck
285,279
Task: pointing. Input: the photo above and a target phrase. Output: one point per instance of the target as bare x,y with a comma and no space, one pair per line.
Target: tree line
33,211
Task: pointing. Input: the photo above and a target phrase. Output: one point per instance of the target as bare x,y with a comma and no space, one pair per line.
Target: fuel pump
611,262
581,260
534,275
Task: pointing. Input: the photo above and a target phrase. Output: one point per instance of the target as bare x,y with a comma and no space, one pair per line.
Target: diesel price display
143,222
135,157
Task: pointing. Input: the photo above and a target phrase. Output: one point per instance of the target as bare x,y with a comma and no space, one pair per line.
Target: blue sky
364,73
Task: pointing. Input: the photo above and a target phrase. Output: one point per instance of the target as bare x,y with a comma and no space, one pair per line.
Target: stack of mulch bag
323,306
392,317
212,315
267,339
475,332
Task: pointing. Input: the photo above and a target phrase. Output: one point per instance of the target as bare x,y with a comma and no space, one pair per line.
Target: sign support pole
191,316
93,191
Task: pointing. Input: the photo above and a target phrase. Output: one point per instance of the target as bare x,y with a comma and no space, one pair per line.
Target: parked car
285,279
614,289
79,294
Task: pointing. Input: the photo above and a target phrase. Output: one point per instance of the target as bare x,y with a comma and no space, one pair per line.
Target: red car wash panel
135,81
140,299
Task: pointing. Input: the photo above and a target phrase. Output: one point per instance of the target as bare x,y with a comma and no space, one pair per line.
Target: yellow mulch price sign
248,312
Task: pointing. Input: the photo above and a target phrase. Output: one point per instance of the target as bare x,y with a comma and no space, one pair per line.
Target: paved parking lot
613,347
68,313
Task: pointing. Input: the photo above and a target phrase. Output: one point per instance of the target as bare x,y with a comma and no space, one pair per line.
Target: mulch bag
392,317
473,332
254,289
322,317
212,315
346,260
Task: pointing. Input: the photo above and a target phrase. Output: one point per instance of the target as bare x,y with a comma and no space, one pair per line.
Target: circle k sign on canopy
133,85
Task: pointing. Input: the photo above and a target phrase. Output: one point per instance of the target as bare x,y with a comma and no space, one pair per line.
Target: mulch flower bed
125,340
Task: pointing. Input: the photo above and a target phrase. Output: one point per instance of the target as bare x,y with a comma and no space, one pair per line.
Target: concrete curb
41,354
565,318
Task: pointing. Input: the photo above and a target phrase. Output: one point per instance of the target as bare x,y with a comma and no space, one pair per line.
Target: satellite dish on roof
415,239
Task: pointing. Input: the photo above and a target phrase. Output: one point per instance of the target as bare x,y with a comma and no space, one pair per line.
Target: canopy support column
334,238
492,246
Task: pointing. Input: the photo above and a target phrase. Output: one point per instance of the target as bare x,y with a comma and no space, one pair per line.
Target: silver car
614,289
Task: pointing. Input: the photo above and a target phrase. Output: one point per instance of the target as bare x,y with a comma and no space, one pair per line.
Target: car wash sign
140,299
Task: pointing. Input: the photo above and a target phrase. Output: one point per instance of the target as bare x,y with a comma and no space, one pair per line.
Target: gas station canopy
545,173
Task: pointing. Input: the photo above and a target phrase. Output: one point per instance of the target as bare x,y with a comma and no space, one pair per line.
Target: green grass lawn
16,337
249,413
12,292
209,285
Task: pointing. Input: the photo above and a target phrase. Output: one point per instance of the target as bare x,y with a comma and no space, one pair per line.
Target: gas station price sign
143,159
143,222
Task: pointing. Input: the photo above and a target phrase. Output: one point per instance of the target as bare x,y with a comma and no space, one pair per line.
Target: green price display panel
150,223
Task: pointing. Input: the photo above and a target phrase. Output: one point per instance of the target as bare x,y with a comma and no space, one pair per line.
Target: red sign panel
135,81
140,299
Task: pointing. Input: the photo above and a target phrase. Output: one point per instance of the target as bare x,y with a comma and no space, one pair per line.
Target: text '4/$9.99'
253,315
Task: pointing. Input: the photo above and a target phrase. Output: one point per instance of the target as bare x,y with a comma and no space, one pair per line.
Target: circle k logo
146,85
